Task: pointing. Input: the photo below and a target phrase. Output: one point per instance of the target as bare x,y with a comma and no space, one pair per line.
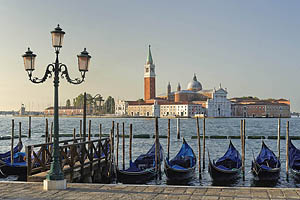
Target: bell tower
149,78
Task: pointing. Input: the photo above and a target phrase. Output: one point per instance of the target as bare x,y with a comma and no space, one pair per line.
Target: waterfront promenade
28,190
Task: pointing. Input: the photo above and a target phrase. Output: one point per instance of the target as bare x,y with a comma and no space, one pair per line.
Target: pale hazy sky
251,47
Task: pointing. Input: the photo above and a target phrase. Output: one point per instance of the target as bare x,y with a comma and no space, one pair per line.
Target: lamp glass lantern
57,37
29,60
84,61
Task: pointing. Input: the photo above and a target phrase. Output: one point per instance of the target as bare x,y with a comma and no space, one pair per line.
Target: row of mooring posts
48,138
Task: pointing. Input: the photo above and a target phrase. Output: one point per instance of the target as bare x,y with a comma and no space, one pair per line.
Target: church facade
190,102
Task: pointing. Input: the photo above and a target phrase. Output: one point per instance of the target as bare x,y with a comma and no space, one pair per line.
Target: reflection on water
217,147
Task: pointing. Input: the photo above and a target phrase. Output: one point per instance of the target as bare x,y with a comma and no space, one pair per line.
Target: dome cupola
194,85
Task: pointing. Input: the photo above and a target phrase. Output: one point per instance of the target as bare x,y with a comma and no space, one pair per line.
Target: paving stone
290,194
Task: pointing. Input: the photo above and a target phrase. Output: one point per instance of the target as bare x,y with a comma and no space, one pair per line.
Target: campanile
149,78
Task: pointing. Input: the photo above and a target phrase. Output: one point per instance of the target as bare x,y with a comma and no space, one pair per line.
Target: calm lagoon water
217,147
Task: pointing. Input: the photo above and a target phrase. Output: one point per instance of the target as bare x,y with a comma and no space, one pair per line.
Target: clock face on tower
152,70
147,69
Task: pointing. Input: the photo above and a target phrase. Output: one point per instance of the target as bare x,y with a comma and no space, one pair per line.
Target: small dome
194,85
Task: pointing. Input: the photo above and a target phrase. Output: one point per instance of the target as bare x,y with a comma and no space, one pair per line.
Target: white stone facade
121,107
218,105
182,110
144,110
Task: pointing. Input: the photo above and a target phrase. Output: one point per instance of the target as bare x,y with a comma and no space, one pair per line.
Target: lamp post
56,68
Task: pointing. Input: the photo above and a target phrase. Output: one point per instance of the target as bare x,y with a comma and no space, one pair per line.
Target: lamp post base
55,184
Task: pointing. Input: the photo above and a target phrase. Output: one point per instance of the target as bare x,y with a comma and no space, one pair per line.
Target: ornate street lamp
56,68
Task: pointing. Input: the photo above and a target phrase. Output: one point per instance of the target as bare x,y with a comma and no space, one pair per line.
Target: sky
251,47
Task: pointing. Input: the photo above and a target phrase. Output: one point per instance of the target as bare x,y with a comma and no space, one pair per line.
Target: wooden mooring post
100,131
51,131
89,133
203,157
46,132
199,148
113,138
111,153
243,136
117,160
169,135
12,141
157,150
74,135
29,127
244,151
130,142
178,128
278,138
20,132
80,128
287,140
123,145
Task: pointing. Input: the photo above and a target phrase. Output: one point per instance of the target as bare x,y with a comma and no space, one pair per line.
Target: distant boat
266,166
182,166
294,160
142,169
226,168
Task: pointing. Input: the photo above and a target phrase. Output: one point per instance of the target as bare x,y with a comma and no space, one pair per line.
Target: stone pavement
26,190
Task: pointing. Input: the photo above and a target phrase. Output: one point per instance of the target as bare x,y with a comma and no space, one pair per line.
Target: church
191,102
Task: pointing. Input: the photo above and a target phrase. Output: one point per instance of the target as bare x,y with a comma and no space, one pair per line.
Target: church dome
194,85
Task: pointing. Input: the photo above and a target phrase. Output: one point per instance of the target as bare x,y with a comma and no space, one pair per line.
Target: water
217,147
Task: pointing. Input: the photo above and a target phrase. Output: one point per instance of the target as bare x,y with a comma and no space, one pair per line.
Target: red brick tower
149,78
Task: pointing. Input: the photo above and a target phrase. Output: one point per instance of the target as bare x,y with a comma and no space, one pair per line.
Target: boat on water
294,160
18,167
142,169
226,168
266,166
182,166
16,149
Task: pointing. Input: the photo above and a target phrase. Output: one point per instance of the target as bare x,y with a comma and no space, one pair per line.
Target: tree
78,101
68,103
109,105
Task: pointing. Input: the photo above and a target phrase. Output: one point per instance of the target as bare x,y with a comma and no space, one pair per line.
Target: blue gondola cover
230,160
294,156
267,159
184,159
144,161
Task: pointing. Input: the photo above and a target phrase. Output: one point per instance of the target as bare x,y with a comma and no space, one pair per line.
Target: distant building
218,105
182,109
121,107
143,109
64,110
250,107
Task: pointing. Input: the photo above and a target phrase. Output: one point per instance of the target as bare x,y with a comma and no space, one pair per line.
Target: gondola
266,166
16,149
182,166
18,167
294,160
228,167
142,169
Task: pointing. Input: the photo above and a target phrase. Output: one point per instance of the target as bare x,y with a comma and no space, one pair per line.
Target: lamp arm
65,74
48,74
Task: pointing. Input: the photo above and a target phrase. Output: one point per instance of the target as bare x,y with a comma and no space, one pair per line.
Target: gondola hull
295,174
179,174
261,174
219,175
20,171
136,177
